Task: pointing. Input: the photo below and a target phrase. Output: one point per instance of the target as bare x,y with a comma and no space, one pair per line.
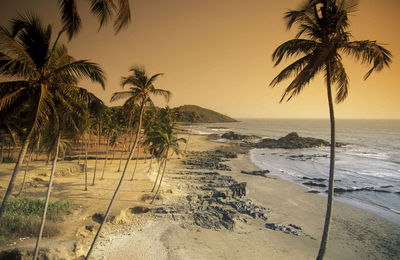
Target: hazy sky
217,54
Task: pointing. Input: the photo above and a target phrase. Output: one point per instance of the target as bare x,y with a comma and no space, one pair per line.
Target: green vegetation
204,115
22,217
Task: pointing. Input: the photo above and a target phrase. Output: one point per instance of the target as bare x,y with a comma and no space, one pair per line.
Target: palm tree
324,24
104,10
26,53
194,117
68,116
141,88
162,141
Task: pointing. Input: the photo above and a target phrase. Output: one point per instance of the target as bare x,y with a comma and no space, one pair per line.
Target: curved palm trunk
162,176
105,160
97,155
136,162
324,238
46,203
119,184
151,162
122,153
158,174
10,187
85,165
26,170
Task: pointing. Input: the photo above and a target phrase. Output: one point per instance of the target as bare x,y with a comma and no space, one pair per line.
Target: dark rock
233,136
314,179
139,210
295,227
313,184
98,217
283,228
290,141
313,191
257,173
238,189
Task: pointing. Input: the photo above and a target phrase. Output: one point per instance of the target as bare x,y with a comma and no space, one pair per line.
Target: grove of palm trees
129,177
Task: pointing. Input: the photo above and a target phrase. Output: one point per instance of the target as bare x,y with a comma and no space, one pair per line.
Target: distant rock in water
233,136
257,173
291,141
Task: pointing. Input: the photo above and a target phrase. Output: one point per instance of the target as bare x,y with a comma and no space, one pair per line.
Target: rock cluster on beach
215,201
210,160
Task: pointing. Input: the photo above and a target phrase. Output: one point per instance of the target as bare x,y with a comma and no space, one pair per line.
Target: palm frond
369,52
123,15
120,95
293,47
70,17
103,9
162,92
340,79
303,78
11,92
293,68
83,69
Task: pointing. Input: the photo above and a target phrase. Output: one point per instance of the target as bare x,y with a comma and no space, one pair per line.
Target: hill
205,115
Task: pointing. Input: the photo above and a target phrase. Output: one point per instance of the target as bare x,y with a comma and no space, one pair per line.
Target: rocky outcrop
210,160
290,141
237,137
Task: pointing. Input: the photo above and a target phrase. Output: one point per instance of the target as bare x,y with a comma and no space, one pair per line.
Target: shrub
22,218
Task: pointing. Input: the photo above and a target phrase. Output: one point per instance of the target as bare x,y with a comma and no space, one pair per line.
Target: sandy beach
163,233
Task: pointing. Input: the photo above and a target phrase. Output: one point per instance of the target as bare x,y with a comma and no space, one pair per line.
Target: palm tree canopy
141,88
324,24
41,67
104,10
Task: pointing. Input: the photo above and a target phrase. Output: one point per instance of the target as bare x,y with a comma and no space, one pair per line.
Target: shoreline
200,216
354,234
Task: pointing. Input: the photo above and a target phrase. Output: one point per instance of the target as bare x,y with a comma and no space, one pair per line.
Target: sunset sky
217,54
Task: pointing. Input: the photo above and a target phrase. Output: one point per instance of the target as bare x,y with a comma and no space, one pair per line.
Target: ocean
367,167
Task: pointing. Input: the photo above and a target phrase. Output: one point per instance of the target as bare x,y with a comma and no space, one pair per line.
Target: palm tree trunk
324,238
46,203
10,187
26,170
137,158
1,153
122,153
162,176
80,152
97,154
151,162
120,181
105,160
158,174
85,165
113,157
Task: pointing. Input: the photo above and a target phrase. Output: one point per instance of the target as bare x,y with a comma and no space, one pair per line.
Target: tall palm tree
141,90
104,10
26,53
67,117
323,24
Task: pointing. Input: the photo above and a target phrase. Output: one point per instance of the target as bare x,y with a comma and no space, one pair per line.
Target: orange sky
217,54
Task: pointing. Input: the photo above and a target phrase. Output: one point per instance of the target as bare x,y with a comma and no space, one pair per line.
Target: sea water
367,166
